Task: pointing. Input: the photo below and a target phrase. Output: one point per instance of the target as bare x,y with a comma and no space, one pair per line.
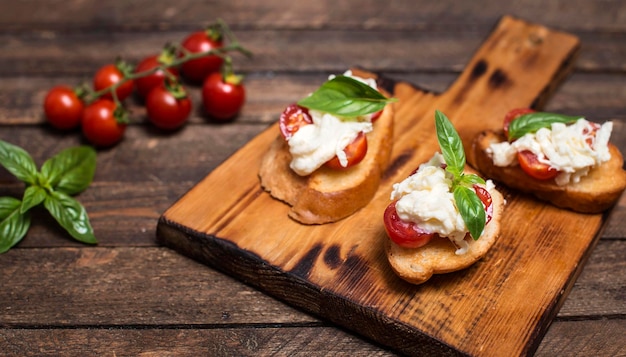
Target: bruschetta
333,147
443,217
564,160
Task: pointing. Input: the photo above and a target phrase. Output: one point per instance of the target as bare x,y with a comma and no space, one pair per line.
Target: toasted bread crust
417,265
595,193
329,195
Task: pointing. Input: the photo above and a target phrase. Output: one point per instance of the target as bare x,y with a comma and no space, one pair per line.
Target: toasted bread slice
329,195
594,193
417,265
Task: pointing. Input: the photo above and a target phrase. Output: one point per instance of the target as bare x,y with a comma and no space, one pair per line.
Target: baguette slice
595,193
329,195
417,265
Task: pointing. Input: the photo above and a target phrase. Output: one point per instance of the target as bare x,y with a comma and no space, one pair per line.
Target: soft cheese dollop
571,149
425,199
313,145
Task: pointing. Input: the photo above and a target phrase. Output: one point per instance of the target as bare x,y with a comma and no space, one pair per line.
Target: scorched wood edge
502,305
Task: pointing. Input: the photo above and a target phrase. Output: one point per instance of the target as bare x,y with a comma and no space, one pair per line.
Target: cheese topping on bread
425,199
571,149
314,144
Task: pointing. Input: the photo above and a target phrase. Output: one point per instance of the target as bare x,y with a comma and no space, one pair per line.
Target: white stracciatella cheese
563,147
425,199
313,145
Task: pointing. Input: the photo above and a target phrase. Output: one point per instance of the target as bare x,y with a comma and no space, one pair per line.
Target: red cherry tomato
531,165
512,115
109,75
376,115
404,234
485,198
223,98
146,84
355,152
167,110
63,108
99,124
292,119
196,70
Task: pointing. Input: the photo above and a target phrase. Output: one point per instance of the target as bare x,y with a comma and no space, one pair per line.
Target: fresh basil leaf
71,170
346,97
530,123
471,210
471,179
33,195
18,162
13,224
71,215
450,144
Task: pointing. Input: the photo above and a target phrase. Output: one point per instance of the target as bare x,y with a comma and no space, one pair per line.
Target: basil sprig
67,173
531,122
469,205
345,97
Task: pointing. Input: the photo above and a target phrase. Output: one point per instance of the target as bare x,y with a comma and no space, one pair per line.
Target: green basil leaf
471,179
71,170
530,123
33,195
450,144
346,97
71,215
13,224
471,210
18,162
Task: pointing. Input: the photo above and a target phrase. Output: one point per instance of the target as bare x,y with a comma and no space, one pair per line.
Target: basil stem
469,205
531,122
71,215
346,97
13,223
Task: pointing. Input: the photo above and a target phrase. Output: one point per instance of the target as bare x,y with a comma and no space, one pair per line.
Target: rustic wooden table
128,295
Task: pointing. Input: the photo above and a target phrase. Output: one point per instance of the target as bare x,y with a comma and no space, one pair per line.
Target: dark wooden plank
81,53
397,14
589,338
118,286
596,95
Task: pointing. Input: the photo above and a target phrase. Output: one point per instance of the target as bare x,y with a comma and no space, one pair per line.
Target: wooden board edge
250,269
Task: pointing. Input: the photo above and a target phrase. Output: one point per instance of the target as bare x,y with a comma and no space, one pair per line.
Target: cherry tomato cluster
200,59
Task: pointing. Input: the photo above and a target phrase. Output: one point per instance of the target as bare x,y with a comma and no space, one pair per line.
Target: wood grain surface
129,295
502,305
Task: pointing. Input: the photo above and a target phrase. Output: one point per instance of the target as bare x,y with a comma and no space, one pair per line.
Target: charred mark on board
479,69
305,264
331,256
498,79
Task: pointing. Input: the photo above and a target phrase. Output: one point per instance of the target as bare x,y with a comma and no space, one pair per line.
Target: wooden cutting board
502,305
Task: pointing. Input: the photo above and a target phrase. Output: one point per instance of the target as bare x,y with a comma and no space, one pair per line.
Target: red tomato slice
404,234
530,164
512,115
292,118
355,152
376,115
485,198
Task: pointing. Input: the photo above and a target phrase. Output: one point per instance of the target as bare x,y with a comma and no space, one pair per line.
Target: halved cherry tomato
533,167
292,119
485,198
376,115
404,234
512,115
355,152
